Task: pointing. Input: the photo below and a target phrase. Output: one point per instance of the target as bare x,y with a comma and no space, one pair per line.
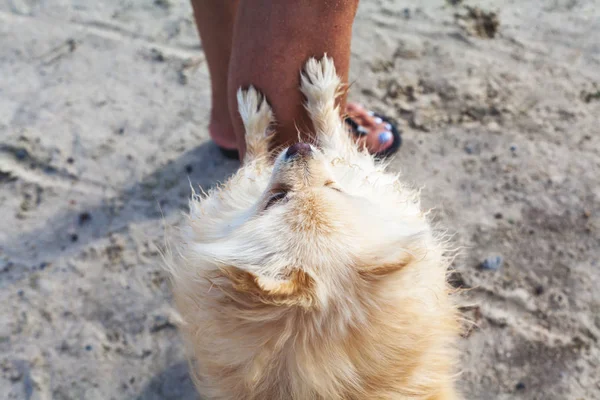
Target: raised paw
320,85
257,117
320,82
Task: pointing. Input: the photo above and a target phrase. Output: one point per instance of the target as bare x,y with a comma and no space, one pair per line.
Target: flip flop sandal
231,154
359,131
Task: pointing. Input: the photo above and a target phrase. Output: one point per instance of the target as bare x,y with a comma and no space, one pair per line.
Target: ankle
221,131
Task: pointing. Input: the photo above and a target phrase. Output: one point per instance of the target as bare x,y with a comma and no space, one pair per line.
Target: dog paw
319,81
255,111
257,117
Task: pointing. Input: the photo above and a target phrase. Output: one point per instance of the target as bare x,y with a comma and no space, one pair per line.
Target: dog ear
380,267
297,290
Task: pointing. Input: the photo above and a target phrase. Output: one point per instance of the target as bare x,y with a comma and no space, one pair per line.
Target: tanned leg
266,43
272,41
214,20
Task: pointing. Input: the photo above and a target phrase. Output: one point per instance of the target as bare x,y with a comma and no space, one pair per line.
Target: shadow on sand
161,193
173,383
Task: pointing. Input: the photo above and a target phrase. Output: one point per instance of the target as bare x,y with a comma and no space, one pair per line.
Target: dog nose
298,149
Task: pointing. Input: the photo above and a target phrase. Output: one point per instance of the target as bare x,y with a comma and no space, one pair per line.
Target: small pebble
15,375
498,215
163,3
72,44
469,149
44,265
406,12
20,292
70,160
188,169
21,154
88,347
539,290
160,322
7,266
11,371
492,263
157,55
74,237
183,79
513,148
520,386
84,217
587,213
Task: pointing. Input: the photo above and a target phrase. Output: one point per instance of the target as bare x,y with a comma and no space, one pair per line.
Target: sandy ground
103,109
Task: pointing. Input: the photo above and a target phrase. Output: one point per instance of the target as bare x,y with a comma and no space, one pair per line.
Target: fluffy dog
314,275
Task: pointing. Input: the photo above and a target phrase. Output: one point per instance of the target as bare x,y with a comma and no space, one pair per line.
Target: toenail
370,113
362,130
378,120
385,137
388,126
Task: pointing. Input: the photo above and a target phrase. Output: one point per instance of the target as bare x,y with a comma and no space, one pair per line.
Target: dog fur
315,277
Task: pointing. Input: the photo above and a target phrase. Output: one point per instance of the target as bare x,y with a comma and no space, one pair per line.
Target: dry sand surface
103,112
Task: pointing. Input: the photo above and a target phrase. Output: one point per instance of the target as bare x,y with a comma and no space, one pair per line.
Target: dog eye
275,198
332,185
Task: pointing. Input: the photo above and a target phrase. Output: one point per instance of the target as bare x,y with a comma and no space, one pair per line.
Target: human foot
375,131
221,132
379,135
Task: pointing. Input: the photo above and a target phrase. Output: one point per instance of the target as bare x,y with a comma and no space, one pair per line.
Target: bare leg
272,41
266,43
214,20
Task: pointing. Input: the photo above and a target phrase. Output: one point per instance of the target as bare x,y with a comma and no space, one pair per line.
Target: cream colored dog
316,276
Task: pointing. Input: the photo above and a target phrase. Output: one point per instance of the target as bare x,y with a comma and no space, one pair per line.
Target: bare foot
221,131
376,133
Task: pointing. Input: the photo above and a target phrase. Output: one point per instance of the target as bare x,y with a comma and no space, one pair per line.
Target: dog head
304,229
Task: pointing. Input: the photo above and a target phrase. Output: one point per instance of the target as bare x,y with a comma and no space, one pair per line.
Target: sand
103,114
